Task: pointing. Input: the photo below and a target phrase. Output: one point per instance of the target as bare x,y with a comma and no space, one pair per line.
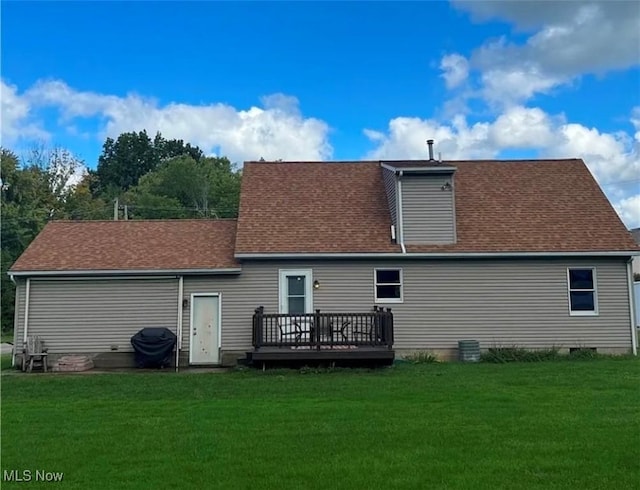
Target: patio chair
341,330
34,353
363,331
293,330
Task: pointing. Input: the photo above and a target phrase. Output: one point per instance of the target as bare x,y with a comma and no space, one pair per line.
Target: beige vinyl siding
511,303
390,183
241,295
92,315
520,302
427,210
506,302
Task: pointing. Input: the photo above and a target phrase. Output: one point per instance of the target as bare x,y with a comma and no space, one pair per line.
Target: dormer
421,201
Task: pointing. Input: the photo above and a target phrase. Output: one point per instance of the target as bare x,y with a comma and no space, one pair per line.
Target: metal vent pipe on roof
430,143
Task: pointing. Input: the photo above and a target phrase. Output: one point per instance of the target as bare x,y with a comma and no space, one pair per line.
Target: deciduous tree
209,187
124,160
32,192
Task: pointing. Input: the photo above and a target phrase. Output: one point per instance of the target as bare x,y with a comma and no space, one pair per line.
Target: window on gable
583,298
388,285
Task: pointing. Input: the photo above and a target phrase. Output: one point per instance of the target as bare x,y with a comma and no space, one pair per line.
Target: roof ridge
150,220
416,161
317,162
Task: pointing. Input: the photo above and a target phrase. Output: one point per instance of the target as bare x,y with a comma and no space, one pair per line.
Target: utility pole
115,210
126,212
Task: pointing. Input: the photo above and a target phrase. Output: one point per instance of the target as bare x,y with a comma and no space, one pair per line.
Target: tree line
150,178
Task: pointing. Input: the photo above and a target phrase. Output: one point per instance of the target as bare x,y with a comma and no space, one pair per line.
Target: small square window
388,285
583,298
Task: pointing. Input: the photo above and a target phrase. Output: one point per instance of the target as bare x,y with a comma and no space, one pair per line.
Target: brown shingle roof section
313,207
534,206
131,245
501,206
316,207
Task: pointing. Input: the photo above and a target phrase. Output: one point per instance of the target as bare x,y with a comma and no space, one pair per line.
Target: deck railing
323,330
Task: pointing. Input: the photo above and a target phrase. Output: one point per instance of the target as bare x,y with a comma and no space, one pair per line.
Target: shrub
584,353
519,354
421,357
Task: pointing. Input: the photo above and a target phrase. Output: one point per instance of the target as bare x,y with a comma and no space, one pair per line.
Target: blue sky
306,80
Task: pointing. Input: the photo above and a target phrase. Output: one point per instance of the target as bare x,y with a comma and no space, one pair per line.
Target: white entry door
205,329
296,291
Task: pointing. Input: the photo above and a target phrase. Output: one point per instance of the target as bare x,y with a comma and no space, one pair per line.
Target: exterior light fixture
316,284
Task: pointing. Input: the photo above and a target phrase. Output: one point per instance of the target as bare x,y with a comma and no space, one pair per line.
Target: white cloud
518,127
613,158
16,121
455,69
276,130
506,86
522,127
629,211
635,120
406,139
566,41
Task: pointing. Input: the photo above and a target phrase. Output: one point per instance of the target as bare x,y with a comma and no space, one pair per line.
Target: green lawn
5,362
570,424
6,337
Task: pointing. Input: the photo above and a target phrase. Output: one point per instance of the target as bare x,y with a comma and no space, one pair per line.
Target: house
526,253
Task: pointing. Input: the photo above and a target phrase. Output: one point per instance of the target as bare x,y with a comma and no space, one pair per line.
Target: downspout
632,305
15,322
26,314
400,218
179,325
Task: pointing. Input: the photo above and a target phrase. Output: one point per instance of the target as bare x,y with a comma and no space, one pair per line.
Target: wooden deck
284,354
322,337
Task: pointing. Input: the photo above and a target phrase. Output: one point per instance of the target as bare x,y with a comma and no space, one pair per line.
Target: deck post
378,324
389,323
316,329
258,321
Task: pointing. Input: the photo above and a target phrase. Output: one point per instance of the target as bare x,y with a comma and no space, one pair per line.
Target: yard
566,424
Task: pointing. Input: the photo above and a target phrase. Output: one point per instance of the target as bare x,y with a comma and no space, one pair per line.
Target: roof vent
430,143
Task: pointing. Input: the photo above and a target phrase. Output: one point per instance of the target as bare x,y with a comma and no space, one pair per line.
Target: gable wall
427,211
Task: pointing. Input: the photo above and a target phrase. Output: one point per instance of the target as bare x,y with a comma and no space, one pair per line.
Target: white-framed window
583,292
388,285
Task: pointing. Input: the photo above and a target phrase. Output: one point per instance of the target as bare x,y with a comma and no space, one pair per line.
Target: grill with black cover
153,347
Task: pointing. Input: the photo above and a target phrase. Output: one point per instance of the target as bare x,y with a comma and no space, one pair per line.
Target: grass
519,426
5,362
